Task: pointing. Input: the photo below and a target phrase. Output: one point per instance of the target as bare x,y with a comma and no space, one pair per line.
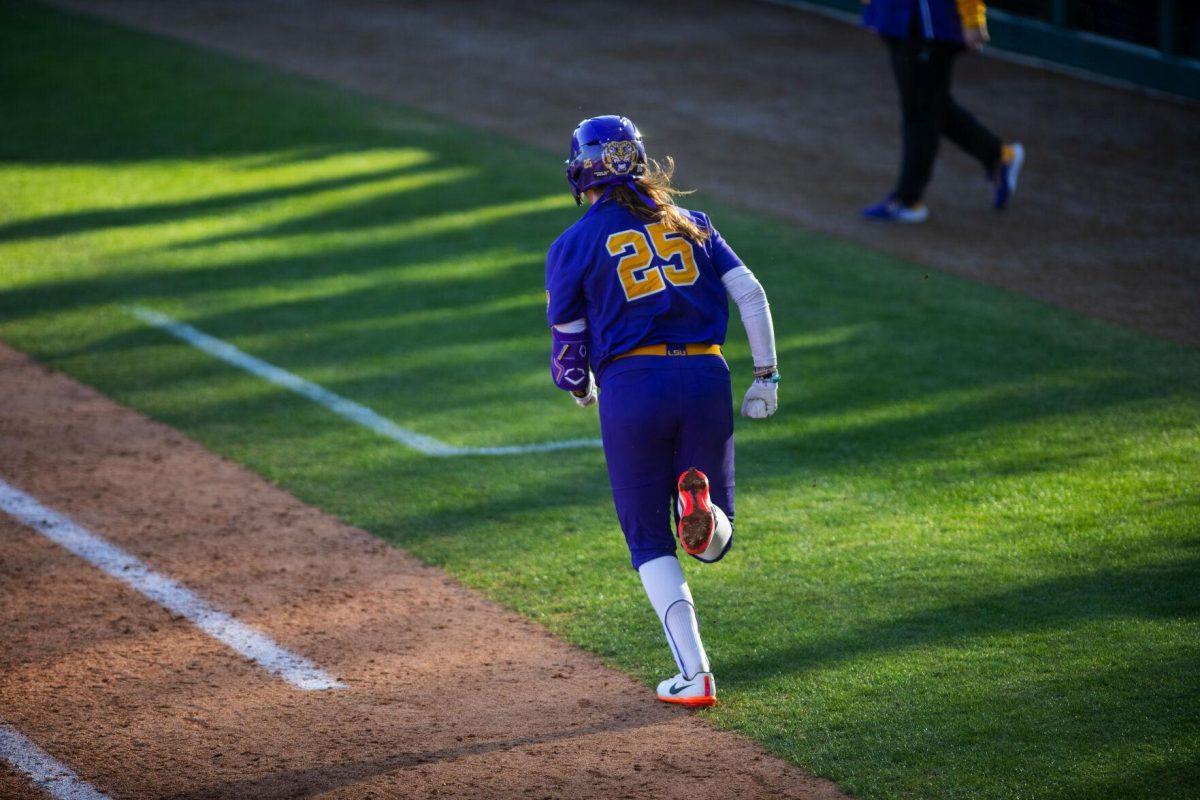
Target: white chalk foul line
47,773
355,412
173,596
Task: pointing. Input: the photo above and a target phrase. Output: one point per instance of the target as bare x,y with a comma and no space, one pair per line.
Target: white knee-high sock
672,600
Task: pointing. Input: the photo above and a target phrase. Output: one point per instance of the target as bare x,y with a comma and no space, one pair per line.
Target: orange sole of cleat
690,702
696,523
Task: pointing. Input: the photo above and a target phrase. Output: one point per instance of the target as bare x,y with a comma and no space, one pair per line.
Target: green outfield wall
1151,43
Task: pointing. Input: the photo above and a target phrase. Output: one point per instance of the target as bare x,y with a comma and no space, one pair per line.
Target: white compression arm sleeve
745,290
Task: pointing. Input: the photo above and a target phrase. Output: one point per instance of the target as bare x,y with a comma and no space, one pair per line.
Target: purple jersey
636,283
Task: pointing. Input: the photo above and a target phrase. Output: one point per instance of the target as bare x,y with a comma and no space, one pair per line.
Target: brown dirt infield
779,111
448,694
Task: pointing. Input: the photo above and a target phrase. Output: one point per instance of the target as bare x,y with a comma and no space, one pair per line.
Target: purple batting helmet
604,150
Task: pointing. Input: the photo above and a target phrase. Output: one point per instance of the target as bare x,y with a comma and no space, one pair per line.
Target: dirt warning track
446,694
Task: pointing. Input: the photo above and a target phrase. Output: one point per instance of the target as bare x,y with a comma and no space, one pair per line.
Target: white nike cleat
698,692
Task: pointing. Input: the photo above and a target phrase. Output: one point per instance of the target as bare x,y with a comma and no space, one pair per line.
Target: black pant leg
960,125
923,81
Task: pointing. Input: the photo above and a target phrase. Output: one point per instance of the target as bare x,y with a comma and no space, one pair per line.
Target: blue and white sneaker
1011,161
892,210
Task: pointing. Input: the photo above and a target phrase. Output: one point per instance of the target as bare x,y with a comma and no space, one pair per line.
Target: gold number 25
638,277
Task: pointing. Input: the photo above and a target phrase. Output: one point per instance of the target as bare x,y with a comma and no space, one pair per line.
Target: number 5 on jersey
638,277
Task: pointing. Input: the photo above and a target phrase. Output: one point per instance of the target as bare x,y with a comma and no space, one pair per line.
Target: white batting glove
762,398
588,398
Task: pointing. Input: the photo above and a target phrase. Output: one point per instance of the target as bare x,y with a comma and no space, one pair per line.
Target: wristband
769,374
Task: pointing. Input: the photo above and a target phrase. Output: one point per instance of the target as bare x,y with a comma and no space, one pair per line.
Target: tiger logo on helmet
604,150
620,157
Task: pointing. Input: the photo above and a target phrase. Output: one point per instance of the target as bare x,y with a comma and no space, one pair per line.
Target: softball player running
636,295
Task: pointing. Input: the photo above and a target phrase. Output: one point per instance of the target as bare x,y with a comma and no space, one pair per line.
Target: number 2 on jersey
638,277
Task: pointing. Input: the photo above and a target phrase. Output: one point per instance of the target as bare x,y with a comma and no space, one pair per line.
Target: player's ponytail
655,183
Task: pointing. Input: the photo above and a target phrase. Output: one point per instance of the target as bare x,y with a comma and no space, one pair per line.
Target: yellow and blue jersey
942,20
636,283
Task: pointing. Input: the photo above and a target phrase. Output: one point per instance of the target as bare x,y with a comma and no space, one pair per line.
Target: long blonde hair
655,182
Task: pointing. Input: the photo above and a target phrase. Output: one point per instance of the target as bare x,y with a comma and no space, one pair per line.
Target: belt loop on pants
694,349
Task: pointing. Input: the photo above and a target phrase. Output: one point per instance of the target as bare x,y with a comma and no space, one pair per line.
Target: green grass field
968,559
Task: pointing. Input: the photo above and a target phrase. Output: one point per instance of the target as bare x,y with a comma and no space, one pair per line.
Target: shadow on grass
154,213
1164,591
1175,777
468,238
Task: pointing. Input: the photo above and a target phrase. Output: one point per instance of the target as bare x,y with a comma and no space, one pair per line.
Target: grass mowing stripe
967,559
170,594
355,412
